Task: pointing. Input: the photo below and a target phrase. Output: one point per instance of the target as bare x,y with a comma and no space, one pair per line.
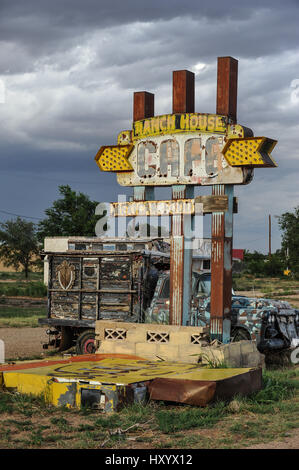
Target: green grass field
20,276
269,285
270,414
15,285
17,317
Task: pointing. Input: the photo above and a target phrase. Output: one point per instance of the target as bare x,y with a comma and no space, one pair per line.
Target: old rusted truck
92,279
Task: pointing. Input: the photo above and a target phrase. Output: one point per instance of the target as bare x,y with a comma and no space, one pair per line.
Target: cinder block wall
173,343
150,341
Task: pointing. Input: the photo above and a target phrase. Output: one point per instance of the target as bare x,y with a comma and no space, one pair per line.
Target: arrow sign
114,158
250,151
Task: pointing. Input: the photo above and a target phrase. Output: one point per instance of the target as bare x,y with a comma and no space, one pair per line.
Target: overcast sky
68,70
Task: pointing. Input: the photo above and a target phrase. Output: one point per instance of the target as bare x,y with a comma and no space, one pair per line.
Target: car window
165,291
204,285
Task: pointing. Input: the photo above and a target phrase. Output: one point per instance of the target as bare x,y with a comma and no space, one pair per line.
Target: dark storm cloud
71,68
38,28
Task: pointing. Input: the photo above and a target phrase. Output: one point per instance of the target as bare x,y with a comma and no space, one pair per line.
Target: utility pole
269,236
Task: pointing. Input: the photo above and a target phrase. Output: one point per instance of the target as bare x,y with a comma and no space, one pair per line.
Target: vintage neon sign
186,148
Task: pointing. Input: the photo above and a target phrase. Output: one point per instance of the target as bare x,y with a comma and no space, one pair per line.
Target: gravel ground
23,342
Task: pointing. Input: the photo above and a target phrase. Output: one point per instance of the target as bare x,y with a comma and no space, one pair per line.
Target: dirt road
23,342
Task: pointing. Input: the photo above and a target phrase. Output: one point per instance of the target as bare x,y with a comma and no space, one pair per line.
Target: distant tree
260,264
289,224
71,215
254,263
18,244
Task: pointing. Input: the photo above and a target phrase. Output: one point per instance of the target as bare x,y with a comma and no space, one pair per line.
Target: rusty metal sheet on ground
190,392
202,392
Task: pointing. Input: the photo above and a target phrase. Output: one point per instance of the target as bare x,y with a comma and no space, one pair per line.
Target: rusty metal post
180,262
180,258
222,223
221,267
143,105
183,91
227,87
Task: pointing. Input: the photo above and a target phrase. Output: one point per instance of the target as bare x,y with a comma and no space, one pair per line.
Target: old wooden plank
215,203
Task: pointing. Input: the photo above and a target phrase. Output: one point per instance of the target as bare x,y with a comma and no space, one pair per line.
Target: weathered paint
250,151
104,285
113,379
183,91
114,158
152,208
143,105
227,87
141,207
176,275
180,262
180,159
179,123
221,267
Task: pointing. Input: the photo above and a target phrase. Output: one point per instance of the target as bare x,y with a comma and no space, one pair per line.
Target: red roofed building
238,255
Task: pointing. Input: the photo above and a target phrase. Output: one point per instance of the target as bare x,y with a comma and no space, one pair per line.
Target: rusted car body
274,324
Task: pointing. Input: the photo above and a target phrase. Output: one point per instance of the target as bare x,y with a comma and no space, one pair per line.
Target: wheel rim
89,346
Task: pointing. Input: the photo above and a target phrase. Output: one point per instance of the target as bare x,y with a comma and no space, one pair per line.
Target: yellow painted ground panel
122,372
110,383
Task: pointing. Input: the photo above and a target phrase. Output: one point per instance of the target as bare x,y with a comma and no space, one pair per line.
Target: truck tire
85,343
66,338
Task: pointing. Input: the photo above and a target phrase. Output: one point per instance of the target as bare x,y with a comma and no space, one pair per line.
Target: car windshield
203,284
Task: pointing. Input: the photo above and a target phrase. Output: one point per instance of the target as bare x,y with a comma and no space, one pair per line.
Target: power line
18,215
52,180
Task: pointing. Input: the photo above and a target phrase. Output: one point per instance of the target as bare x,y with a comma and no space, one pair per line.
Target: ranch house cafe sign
187,148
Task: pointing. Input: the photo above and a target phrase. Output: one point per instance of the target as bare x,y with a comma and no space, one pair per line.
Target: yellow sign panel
108,383
114,158
152,208
187,148
249,151
173,123
111,371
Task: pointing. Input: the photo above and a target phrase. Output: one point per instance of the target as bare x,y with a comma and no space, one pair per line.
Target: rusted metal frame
187,287
176,273
221,268
177,261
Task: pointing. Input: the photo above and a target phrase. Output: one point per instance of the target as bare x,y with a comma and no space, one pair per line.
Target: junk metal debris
109,383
